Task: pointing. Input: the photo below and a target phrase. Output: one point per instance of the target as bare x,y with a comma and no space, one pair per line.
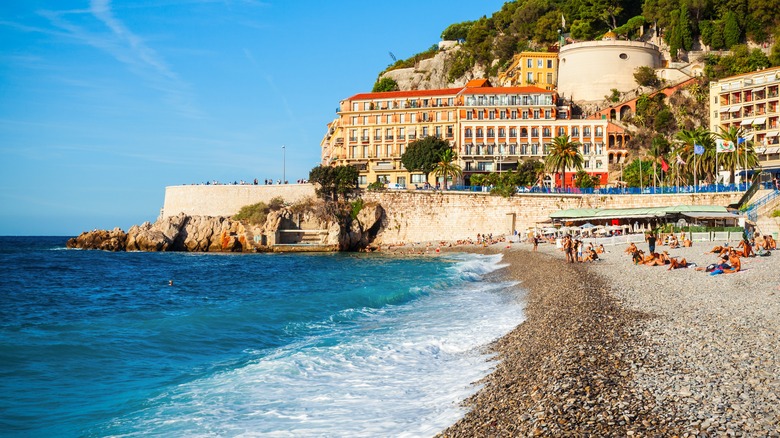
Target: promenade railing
687,189
752,210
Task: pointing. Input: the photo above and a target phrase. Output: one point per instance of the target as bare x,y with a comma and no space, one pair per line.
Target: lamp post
284,165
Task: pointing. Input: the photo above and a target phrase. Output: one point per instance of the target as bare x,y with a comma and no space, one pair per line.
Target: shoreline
615,349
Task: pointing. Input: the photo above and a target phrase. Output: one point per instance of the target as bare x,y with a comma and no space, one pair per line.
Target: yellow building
490,129
539,69
751,102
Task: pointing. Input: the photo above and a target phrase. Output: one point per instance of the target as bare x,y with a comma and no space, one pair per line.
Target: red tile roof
406,94
478,83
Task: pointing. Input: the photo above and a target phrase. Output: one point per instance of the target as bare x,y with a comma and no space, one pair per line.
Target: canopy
582,214
747,122
759,121
712,215
772,133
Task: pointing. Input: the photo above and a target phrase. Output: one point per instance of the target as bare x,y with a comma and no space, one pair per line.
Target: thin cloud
131,50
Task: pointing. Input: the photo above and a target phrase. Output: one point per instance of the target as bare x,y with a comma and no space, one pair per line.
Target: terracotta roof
478,83
405,94
505,90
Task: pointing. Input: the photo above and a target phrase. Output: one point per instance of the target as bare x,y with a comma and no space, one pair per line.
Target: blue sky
103,104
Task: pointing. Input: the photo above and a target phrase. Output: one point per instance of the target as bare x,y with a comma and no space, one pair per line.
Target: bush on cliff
256,214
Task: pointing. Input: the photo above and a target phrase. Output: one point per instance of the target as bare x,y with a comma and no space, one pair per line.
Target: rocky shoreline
615,349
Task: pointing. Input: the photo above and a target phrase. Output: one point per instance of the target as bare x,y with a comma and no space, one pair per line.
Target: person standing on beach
651,241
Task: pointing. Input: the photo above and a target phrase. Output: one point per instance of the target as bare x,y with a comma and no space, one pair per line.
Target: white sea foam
398,371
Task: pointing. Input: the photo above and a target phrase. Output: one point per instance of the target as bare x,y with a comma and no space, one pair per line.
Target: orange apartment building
490,128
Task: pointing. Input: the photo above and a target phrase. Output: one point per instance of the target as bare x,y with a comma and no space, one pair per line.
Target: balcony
412,136
353,139
377,138
364,139
388,137
401,136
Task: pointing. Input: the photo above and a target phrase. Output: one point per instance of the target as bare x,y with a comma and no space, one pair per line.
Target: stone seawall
226,200
431,216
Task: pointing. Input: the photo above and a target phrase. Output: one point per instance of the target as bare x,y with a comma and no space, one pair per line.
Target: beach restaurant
642,219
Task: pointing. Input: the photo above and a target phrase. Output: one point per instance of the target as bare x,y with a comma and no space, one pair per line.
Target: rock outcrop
432,73
300,229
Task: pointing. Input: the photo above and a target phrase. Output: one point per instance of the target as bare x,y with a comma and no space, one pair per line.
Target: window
525,114
549,78
546,132
469,115
529,63
354,120
491,133
492,115
437,131
365,151
377,134
599,131
524,149
598,164
403,118
366,106
547,114
379,150
450,101
420,179
514,115
529,77
502,115
413,118
425,131
534,132
539,63
364,135
449,131
586,131
362,180
479,133
401,181
575,130
536,114
534,149
524,132
550,64
586,164
501,132
468,133
561,131
384,179
438,116
389,118
365,120
513,132
389,134
354,106
480,115
586,148
401,133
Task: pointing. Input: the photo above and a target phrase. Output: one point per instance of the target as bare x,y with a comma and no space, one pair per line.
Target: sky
103,104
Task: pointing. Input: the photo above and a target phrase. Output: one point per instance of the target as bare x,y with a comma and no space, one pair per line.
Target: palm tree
447,167
563,154
702,164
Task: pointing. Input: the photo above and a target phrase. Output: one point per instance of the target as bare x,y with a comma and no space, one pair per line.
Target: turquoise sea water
98,344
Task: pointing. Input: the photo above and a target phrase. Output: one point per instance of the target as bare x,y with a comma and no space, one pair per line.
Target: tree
584,180
447,167
743,155
563,154
646,77
732,34
424,154
385,84
636,169
334,181
457,31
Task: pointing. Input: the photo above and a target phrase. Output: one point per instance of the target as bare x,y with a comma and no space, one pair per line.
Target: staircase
760,212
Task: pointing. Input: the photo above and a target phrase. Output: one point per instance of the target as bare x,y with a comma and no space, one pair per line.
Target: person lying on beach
677,264
736,265
654,259
591,256
687,243
720,250
747,249
637,256
631,249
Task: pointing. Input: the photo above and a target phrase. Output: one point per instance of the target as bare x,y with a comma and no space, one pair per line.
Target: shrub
776,213
356,205
254,214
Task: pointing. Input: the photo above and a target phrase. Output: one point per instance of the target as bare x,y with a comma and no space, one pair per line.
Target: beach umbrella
587,225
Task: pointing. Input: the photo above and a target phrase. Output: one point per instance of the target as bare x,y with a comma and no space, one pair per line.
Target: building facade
490,128
751,102
539,69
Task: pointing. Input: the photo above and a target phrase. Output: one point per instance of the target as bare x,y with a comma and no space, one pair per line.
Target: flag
698,149
563,22
740,140
680,161
664,166
722,145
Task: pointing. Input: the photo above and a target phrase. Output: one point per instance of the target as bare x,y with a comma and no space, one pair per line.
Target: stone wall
226,200
431,216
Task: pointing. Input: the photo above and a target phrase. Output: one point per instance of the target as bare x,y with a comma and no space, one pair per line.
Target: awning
712,215
747,122
725,109
748,137
756,90
759,121
772,133
772,150
586,214
734,108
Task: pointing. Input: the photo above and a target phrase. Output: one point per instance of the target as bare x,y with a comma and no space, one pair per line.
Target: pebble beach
610,348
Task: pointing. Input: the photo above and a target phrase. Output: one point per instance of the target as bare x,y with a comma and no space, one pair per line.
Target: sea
131,344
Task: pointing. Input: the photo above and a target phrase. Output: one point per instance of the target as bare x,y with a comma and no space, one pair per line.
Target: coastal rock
105,240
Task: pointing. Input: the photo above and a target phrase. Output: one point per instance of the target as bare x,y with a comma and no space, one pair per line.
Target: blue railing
711,188
752,210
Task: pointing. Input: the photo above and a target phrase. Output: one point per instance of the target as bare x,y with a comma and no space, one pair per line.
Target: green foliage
615,96
414,59
424,154
385,84
731,31
741,60
356,206
334,181
376,186
528,172
461,63
631,27
255,214
457,31
447,167
776,213
646,77
584,180
632,172
665,121
563,154
504,183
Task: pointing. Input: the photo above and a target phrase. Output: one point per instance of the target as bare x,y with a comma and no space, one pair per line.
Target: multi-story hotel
539,69
490,129
750,101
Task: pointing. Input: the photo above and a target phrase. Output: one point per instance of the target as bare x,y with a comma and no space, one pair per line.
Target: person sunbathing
600,249
770,242
673,242
736,265
677,264
687,243
747,249
720,250
637,256
631,249
654,259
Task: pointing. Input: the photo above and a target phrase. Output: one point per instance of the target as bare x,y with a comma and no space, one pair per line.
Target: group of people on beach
576,251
